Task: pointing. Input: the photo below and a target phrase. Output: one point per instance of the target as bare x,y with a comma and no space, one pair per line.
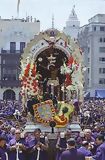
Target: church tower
72,25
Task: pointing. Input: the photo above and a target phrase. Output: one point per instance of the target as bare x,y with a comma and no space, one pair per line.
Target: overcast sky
43,10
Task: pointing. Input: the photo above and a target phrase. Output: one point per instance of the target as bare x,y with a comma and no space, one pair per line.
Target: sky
44,9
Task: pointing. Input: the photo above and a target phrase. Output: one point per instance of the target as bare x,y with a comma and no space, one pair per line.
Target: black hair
85,143
100,137
71,142
37,130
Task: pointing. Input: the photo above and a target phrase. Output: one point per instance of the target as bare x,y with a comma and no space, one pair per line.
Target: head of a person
18,134
68,133
102,128
12,130
81,134
37,133
100,139
87,133
85,144
62,135
97,128
2,142
71,143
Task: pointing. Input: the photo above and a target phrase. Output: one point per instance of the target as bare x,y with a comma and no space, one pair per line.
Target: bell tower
72,25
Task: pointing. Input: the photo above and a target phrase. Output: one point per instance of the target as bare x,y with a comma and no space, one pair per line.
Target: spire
73,14
72,24
73,10
52,21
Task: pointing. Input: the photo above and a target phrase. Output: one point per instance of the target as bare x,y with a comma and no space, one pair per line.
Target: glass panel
12,47
22,46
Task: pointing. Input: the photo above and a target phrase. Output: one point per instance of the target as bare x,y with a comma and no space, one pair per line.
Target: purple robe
33,152
72,154
3,152
85,151
21,153
62,143
100,152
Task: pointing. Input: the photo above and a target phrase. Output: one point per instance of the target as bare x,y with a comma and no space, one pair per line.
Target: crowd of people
7,108
17,144
91,112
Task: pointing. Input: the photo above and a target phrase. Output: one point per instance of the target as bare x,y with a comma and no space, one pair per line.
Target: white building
72,25
14,36
92,40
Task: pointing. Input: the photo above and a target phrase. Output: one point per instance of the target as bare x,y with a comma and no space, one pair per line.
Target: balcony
11,52
8,83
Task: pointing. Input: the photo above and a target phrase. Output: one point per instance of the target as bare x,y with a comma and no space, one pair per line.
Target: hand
20,145
37,145
88,158
13,147
57,147
41,144
17,145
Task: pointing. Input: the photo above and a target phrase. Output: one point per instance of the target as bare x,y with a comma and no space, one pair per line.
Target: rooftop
27,19
98,18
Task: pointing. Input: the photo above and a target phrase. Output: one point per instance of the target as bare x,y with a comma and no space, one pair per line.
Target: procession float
51,77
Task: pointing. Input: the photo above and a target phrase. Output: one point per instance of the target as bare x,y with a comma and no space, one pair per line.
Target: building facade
14,36
92,40
72,25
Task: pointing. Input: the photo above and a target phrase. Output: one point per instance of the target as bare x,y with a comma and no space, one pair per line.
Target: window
100,39
3,61
88,60
94,28
88,70
102,28
88,81
12,47
7,61
102,59
101,70
102,49
9,74
22,46
102,81
88,49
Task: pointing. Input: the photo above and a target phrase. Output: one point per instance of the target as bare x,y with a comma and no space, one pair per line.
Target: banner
44,112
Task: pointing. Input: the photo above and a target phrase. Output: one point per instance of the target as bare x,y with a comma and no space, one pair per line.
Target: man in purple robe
38,147
72,153
87,137
62,143
3,149
100,152
17,147
85,149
